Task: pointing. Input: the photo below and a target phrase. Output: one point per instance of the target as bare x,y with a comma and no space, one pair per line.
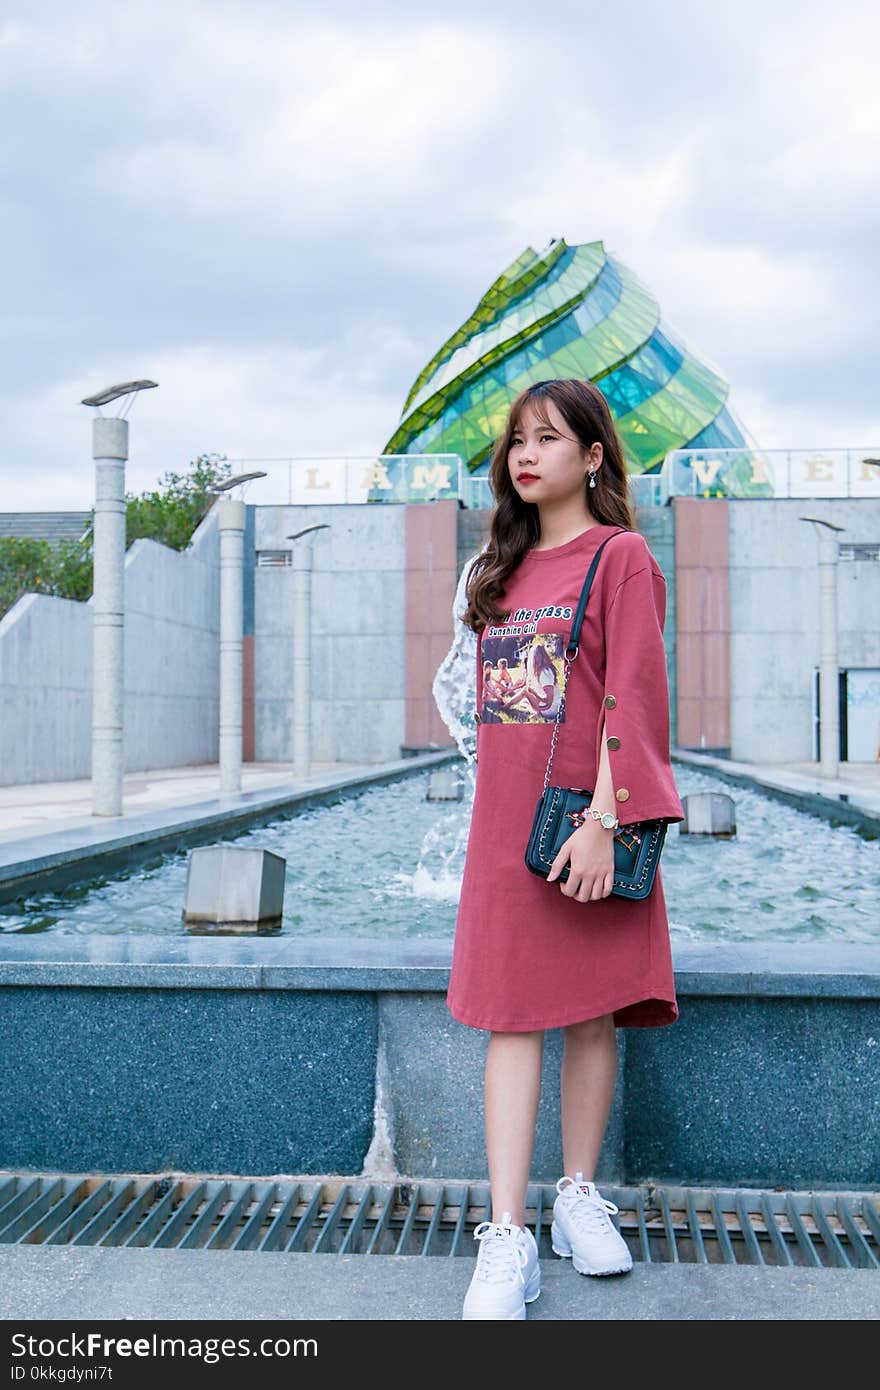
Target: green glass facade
568,311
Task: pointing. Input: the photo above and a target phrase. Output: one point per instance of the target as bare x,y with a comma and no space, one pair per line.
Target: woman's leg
589,1070
512,1093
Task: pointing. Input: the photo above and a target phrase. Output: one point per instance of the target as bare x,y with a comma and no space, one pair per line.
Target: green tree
174,509
168,514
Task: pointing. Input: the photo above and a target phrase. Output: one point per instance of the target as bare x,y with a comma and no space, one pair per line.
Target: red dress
526,956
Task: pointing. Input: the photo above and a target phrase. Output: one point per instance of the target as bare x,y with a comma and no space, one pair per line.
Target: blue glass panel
559,268
630,385
722,433
665,349
601,300
626,388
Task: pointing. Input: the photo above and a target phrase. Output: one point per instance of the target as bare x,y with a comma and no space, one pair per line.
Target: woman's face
546,461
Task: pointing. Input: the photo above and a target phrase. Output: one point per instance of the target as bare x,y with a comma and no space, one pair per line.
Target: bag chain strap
571,650
566,663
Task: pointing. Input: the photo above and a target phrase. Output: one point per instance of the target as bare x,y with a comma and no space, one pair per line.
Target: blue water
388,863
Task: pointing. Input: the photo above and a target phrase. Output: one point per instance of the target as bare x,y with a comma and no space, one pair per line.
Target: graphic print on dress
522,676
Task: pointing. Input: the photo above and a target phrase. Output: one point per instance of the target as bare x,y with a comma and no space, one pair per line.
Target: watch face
608,820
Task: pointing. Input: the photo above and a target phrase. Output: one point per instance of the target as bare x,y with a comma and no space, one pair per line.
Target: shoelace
588,1207
498,1247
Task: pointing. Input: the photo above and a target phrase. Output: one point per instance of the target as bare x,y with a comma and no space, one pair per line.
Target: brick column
431,579
702,624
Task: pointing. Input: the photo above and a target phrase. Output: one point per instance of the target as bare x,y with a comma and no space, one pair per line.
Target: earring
592,477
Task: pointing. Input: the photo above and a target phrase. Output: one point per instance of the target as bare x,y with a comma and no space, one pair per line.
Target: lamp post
829,693
231,519
301,564
110,452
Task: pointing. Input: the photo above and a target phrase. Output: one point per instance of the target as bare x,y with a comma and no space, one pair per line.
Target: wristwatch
609,821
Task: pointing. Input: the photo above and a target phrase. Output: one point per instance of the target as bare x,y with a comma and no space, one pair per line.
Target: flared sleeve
635,706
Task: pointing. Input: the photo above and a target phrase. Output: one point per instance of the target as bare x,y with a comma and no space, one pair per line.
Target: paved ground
41,1282
43,807
856,783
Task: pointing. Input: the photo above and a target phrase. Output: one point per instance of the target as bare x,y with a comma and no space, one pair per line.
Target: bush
172,512
169,514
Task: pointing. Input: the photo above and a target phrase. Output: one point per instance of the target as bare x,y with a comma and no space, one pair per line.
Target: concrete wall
358,646
283,1056
171,669
774,617
742,636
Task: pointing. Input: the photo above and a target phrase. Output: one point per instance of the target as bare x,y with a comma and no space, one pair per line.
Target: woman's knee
590,1029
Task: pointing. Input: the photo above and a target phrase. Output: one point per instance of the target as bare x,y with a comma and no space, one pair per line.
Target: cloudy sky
279,210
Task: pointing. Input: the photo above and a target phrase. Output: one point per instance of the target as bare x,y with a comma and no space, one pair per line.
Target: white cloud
753,303
803,424
280,211
277,402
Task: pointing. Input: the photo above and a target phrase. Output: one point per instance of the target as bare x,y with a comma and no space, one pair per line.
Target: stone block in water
233,888
708,813
444,784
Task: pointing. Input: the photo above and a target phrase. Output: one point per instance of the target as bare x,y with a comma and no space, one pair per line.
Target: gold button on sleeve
622,794
613,741
610,701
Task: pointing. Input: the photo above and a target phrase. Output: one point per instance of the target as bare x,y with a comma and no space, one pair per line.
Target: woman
529,953
541,689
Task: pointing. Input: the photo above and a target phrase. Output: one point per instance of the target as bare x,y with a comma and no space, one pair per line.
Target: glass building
568,311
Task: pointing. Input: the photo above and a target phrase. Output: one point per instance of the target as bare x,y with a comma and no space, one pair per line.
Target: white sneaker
582,1228
507,1276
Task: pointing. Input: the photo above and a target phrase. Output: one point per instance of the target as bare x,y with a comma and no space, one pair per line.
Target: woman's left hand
589,853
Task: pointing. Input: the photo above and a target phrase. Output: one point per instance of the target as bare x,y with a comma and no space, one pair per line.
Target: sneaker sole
583,1268
481,1317
512,1317
581,1265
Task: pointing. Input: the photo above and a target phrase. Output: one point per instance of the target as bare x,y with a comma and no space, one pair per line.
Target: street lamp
301,564
110,452
238,480
231,522
829,691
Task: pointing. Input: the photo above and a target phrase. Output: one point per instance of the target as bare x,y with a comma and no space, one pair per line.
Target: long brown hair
515,525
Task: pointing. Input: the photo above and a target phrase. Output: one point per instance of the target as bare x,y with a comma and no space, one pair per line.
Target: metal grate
686,1225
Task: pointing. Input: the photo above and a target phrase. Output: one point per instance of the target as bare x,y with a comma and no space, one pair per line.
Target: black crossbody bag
561,810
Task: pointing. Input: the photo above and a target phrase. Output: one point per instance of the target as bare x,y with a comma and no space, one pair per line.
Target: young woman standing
529,953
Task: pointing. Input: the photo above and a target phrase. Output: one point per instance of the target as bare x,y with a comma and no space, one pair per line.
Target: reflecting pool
388,862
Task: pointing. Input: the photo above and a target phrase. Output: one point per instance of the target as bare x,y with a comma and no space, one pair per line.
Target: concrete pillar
231,519
829,685
110,452
301,565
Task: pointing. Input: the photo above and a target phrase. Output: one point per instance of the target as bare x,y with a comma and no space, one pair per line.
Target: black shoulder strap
575,634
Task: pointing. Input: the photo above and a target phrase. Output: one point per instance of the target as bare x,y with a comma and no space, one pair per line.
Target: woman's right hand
589,853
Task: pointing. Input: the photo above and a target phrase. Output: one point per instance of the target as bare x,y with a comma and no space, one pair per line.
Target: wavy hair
515,524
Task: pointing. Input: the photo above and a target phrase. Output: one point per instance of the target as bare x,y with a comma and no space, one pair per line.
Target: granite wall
262,1057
